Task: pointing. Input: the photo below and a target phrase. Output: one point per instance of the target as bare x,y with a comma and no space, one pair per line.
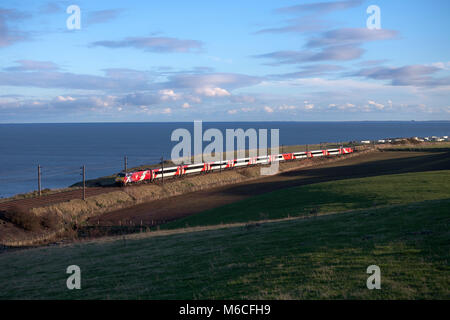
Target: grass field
322,257
335,196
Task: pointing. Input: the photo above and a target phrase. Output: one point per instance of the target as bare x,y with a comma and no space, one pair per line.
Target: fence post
125,160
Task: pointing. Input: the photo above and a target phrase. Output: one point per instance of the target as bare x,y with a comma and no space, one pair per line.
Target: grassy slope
323,257
332,196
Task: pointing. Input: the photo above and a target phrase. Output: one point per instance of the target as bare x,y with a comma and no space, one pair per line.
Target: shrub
51,220
23,218
414,141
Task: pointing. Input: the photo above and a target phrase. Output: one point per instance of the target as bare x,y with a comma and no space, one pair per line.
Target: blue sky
224,61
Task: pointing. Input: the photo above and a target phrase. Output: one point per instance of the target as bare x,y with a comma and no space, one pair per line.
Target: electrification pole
39,180
84,181
162,169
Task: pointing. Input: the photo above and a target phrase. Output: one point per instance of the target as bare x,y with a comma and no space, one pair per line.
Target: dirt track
372,164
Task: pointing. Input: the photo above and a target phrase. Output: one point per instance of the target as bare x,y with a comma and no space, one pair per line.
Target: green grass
332,196
316,258
398,222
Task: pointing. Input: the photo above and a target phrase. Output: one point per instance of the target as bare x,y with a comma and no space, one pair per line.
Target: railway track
53,198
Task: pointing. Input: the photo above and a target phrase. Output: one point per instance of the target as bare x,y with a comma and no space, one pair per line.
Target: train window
196,166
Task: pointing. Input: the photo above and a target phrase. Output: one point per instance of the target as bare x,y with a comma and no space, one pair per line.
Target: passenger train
151,175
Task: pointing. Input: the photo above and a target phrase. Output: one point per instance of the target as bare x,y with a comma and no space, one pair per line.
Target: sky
247,60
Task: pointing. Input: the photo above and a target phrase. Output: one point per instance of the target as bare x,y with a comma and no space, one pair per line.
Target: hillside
323,257
334,196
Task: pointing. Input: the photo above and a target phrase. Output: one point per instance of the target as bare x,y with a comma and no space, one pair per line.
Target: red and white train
181,170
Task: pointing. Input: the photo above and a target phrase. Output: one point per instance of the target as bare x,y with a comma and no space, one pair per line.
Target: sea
62,149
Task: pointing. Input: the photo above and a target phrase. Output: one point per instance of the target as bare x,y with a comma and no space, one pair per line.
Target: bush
414,141
51,220
23,218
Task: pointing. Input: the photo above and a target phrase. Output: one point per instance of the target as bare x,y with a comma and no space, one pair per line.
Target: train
150,175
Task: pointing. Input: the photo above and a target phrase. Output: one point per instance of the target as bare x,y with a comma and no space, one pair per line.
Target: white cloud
379,106
212,92
441,65
168,94
321,83
63,99
186,105
268,109
287,107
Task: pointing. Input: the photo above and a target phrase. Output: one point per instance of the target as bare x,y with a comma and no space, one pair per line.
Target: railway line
131,179
53,198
